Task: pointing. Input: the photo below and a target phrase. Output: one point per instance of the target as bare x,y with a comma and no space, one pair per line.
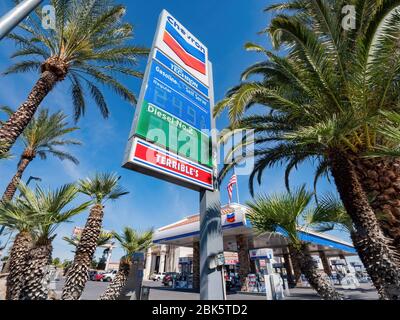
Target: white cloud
74,171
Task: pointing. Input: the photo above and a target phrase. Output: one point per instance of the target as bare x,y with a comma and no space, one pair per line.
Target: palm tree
380,179
131,241
51,209
104,238
14,216
326,100
89,46
43,136
282,212
100,188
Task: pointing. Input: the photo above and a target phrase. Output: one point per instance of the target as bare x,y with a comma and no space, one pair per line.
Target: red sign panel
153,157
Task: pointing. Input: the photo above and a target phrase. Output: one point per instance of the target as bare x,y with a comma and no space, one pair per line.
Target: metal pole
11,19
223,281
237,185
211,244
211,239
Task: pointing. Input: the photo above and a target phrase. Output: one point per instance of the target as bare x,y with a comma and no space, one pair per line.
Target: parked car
109,276
169,278
92,274
99,276
157,276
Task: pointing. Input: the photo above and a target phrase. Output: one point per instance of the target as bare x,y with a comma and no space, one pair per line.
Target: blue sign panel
180,72
170,93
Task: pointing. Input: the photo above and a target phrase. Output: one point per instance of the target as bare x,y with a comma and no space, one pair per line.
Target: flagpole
237,185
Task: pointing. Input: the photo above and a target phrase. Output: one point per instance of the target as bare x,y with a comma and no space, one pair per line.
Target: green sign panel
161,127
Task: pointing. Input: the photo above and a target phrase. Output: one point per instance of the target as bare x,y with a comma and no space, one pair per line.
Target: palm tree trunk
17,264
114,289
38,259
318,281
12,186
362,250
379,259
78,272
380,179
53,71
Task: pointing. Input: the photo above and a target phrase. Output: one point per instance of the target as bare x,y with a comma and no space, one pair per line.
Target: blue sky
224,26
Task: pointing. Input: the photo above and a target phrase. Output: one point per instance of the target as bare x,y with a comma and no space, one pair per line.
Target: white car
109,276
157,276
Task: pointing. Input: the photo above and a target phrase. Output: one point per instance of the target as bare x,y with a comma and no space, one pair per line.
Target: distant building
168,258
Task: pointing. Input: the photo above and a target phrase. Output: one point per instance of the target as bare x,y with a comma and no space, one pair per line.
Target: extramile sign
173,120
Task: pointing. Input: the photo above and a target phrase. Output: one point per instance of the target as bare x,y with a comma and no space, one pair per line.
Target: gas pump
263,259
273,285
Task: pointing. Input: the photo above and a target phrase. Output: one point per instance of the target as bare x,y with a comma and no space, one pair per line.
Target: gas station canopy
234,223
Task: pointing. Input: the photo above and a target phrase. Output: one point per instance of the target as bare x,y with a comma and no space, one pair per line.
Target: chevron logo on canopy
230,217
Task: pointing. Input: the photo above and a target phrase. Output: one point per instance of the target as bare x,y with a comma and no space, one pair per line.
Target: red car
99,277
169,277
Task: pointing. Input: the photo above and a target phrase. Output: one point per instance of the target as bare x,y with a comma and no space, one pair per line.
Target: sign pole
237,185
11,19
211,238
211,244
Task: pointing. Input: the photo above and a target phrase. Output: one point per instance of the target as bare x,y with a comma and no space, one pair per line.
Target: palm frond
329,214
133,241
280,211
45,134
92,39
102,187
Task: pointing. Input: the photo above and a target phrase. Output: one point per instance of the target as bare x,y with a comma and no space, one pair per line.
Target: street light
33,178
11,19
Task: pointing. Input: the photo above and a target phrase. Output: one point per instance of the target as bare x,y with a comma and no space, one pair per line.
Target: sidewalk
93,290
364,292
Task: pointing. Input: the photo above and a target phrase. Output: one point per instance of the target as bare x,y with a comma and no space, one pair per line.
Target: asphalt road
93,290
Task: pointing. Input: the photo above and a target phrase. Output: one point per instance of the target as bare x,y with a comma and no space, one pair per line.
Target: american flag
232,182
